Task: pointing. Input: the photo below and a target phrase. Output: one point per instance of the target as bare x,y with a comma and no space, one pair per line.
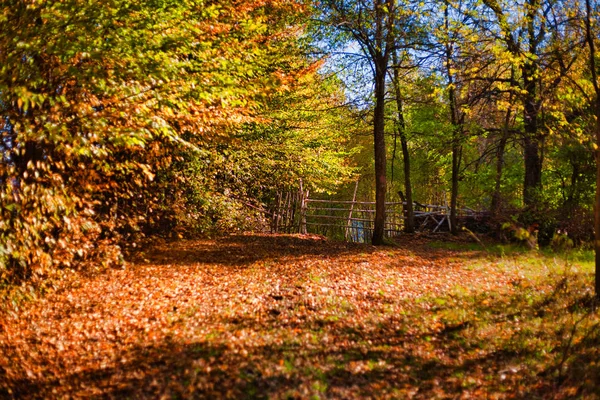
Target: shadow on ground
299,343
248,249
354,365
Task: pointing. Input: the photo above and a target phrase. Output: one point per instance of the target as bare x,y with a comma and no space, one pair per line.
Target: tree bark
409,223
592,46
456,130
383,42
379,148
532,184
409,226
456,159
496,197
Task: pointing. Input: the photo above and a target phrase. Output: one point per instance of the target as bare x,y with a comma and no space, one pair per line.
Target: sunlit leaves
102,94
301,316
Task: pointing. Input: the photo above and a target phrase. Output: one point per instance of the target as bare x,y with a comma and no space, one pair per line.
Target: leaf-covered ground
262,316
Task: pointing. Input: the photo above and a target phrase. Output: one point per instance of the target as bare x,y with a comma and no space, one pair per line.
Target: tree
590,40
100,99
524,32
455,119
371,24
455,46
409,222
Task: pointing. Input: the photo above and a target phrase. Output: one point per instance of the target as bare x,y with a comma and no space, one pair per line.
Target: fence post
276,213
303,201
349,224
447,209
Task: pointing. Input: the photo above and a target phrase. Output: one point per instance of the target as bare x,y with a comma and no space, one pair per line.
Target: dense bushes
122,119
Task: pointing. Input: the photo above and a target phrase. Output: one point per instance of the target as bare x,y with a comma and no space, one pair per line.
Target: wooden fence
352,220
288,212
296,212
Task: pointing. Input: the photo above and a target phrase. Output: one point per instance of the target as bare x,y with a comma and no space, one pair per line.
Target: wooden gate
296,212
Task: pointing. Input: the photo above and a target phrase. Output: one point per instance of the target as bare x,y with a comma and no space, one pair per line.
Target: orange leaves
279,316
114,92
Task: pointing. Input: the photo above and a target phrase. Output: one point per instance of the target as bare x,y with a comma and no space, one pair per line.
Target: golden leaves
281,315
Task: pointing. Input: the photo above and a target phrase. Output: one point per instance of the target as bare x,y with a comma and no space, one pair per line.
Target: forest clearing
298,316
299,199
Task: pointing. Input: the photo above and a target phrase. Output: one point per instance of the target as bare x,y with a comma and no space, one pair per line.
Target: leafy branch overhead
104,106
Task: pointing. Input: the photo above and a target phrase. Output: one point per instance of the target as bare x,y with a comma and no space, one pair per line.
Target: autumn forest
300,199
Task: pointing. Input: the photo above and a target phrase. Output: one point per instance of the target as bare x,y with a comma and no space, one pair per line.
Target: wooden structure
352,220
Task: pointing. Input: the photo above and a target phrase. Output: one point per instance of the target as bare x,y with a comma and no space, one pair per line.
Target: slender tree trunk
532,184
456,159
409,226
590,41
384,11
456,131
496,197
532,141
597,200
375,34
409,223
380,158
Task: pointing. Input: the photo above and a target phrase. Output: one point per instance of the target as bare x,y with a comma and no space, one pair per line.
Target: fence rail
352,220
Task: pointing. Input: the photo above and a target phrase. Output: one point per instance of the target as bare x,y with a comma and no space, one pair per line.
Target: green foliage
123,119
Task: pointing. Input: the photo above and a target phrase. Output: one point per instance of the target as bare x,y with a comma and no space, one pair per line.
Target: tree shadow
246,249
243,250
360,358
387,365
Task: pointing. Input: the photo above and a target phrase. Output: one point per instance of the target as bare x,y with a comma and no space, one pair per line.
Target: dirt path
244,316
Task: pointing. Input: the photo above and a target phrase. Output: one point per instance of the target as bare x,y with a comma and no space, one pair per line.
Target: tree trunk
379,147
409,226
383,37
597,201
532,141
532,184
409,223
456,158
496,205
496,197
589,36
456,130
